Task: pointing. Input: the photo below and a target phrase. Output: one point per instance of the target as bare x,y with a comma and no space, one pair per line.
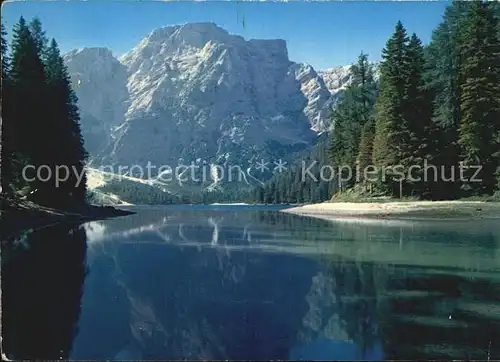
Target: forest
40,120
429,127
424,123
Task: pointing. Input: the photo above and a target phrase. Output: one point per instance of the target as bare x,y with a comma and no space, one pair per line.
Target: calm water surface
236,282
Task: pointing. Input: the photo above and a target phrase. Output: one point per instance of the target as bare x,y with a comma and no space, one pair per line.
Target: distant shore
418,210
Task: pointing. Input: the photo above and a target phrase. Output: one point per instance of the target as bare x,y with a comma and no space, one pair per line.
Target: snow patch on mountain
337,78
195,91
319,102
99,81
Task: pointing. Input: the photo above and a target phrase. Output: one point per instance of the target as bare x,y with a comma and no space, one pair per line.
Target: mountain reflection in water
253,283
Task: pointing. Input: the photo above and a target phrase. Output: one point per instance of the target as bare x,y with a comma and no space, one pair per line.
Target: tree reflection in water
211,284
42,283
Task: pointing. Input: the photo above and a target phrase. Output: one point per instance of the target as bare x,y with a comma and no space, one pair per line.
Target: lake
249,282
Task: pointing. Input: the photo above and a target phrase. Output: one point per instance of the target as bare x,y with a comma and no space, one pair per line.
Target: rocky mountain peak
99,81
195,91
91,61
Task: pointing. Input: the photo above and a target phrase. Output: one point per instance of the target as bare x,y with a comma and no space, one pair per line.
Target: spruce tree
24,126
363,80
480,97
40,118
27,114
414,102
496,9
391,130
421,130
69,148
337,150
442,80
3,45
5,165
443,63
366,147
351,114
39,37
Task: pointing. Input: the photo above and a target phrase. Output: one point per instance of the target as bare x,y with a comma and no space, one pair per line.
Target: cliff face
196,92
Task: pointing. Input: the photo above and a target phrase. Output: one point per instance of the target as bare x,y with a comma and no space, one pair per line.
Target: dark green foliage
480,96
435,107
391,131
406,136
351,114
23,108
302,182
39,37
4,160
137,193
443,62
366,146
442,81
439,106
3,47
40,120
64,117
420,144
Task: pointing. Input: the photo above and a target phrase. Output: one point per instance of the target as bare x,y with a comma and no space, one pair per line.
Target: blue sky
324,34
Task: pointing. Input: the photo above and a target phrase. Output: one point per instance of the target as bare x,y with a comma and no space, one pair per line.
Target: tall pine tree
421,133
366,149
39,37
352,113
442,80
27,101
68,148
41,121
480,97
5,61
391,130
4,159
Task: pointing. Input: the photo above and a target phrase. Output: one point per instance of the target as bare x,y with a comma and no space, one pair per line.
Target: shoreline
402,211
19,216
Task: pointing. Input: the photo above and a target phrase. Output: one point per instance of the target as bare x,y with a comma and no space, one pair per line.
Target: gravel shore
402,210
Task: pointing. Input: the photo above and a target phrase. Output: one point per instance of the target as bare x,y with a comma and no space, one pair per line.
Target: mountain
100,83
336,78
194,92
319,99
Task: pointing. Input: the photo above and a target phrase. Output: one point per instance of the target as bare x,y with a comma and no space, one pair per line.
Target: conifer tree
337,150
345,117
414,105
3,45
443,62
39,37
443,82
366,147
390,127
351,114
23,107
420,145
5,166
41,124
480,96
68,148
26,124
363,80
